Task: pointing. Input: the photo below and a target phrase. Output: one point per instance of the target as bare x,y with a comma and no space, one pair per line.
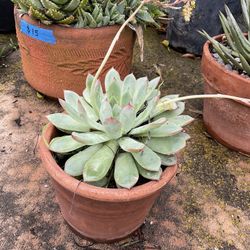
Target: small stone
228,67
215,55
45,185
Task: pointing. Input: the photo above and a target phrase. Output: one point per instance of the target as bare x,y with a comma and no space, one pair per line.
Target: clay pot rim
97,193
212,60
54,26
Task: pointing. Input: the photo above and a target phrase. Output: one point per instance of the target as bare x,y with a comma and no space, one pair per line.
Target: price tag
35,32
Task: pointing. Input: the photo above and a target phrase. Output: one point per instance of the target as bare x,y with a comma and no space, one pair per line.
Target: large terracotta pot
226,120
100,214
63,56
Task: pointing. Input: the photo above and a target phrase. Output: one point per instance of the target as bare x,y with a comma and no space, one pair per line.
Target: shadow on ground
205,207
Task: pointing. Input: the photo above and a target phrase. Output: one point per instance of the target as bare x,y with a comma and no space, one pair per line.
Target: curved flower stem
183,98
116,38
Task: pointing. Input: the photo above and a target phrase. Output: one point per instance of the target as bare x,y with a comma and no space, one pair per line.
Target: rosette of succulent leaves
89,13
121,134
235,49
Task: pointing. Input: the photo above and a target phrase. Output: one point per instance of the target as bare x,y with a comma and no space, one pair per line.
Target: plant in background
87,13
120,134
235,48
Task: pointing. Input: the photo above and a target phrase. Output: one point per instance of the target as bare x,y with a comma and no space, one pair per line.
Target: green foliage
121,134
237,51
88,13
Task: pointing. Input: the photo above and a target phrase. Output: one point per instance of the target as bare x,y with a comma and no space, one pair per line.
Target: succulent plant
123,133
88,13
236,50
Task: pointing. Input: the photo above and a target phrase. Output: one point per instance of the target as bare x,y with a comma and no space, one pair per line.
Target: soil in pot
57,58
100,214
226,120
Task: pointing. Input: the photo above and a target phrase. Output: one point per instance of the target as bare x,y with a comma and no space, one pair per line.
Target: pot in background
57,58
7,22
100,214
226,120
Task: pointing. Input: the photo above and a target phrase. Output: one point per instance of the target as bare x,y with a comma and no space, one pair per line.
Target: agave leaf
226,29
130,145
168,145
127,117
172,113
105,111
64,144
245,12
216,46
126,174
113,128
245,64
65,123
75,164
168,160
148,127
151,175
90,138
181,120
148,159
97,167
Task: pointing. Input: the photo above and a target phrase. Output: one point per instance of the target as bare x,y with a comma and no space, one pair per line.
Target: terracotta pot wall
226,120
52,68
101,214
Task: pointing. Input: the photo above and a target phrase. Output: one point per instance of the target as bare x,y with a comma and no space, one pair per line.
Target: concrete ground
205,207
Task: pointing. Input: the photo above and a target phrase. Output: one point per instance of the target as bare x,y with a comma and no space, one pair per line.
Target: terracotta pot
65,55
100,214
226,120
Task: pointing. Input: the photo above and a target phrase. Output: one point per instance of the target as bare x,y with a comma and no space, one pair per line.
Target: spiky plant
87,13
236,51
120,134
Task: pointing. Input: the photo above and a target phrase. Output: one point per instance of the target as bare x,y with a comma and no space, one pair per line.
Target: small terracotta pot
100,214
226,120
51,68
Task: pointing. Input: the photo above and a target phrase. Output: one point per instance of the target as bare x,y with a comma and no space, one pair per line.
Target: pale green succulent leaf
130,145
148,159
126,174
75,164
151,175
168,145
181,120
148,127
64,144
101,183
168,160
172,113
113,128
90,138
105,111
64,122
97,167
127,117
